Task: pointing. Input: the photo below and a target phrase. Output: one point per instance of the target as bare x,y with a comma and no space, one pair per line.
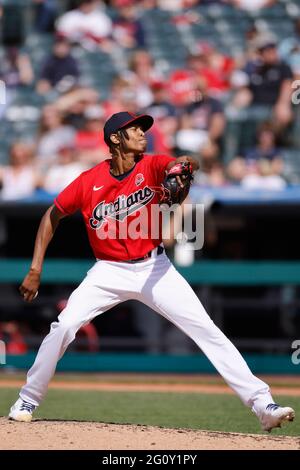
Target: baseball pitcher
117,197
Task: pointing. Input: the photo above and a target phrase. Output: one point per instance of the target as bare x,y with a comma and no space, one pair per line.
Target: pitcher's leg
86,302
167,292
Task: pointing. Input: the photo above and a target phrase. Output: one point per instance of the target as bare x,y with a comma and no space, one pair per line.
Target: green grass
176,410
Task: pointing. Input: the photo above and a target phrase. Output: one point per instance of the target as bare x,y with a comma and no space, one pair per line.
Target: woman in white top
18,179
64,171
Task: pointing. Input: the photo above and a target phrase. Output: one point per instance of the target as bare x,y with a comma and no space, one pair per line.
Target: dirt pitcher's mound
65,435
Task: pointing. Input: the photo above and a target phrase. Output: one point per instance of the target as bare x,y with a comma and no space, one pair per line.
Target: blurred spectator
15,71
248,54
11,335
212,176
270,81
149,4
240,93
128,30
12,17
141,74
211,172
60,69
53,134
181,85
177,5
45,15
122,97
157,141
204,62
251,32
73,104
289,49
19,179
252,5
258,176
263,179
89,141
213,66
87,25
261,166
266,148
15,68
64,170
164,113
161,107
202,121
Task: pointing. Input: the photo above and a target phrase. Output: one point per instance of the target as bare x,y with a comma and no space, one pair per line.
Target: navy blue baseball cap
124,119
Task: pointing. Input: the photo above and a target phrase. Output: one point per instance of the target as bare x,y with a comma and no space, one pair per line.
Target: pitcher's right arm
47,227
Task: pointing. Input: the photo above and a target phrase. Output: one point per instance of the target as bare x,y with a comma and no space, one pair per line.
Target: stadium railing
215,273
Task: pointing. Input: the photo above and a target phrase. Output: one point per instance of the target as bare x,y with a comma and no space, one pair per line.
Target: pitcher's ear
114,139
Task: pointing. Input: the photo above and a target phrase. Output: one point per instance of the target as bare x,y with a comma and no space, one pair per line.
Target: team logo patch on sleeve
122,207
139,179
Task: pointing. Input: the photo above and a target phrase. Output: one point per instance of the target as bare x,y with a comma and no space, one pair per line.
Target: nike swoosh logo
96,188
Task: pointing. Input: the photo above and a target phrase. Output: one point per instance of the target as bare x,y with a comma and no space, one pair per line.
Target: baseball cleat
274,415
22,411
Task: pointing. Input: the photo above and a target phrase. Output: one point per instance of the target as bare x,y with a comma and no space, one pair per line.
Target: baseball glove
171,191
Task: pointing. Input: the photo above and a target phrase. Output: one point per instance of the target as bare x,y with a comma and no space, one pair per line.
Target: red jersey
121,216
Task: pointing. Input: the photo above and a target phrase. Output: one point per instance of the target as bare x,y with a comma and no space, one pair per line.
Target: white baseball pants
156,283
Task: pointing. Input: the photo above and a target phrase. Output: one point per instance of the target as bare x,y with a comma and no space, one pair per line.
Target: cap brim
268,45
145,121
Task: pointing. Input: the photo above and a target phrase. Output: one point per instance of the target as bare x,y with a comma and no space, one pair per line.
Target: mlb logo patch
139,179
